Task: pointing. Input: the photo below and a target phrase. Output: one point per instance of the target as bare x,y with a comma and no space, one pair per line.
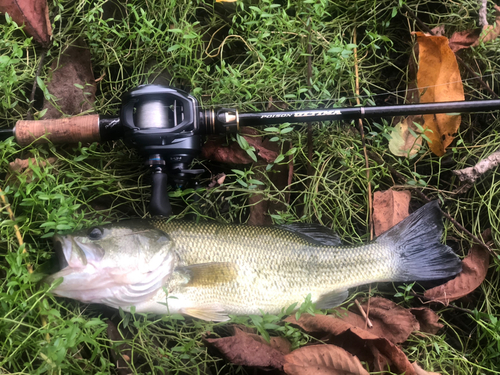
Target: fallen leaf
391,321
72,82
438,30
420,371
244,349
355,340
33,14
403,141
438,80
19,165
490,32
474,269
427,319
23,166
405,136
214,149
322,360
279,343
267,150
463,39
389,208
218,179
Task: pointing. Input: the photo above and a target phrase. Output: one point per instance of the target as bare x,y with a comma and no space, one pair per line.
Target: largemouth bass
212,270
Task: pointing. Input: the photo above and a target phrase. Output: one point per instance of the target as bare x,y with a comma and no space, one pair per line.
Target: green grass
239,54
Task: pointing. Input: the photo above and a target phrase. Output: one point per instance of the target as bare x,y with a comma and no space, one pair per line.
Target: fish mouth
61,246
72,253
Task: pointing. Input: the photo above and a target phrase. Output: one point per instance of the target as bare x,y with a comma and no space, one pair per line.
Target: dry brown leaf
265,149
403,141
355,340
22,166
217,180
428,319
468,38
391,321
463,39
420,371
276,342
73,67
214,149
490,32
437,31
322,360
438,80
474,269
389,208
245,350
19,165
34,14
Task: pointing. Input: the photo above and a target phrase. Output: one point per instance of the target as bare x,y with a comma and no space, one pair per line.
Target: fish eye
95,233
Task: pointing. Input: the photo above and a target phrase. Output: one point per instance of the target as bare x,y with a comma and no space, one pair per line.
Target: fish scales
276,268
211,270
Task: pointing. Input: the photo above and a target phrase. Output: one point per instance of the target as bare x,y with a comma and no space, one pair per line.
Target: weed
244,54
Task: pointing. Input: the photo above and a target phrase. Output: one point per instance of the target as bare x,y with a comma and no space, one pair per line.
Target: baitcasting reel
167,125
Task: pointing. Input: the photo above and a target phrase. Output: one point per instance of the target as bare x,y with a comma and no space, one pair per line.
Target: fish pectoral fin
332,299
208,274
214,313
314,233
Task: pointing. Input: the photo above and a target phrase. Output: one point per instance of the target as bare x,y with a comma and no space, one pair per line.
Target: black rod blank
332,114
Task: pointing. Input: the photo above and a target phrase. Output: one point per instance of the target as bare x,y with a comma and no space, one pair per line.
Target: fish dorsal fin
332,299
208,274
214,313
314,233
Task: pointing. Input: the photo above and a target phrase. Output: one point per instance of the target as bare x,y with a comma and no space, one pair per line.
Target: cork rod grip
64,130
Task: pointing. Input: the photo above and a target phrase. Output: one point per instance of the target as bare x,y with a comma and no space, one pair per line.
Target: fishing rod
167,125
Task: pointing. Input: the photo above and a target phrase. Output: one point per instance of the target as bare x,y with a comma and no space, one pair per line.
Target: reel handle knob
159,204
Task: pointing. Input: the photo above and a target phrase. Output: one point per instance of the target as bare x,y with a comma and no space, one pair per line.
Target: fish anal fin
209,274
214,313
314,233
332,299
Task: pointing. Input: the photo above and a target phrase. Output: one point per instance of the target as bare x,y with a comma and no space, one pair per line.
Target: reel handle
159,204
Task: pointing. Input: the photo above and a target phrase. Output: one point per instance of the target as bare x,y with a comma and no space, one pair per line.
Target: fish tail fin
416,245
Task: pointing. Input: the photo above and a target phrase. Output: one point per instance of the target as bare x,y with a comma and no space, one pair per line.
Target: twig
426,28
471,174
365,315
398,176
483,21
423,298
16,228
